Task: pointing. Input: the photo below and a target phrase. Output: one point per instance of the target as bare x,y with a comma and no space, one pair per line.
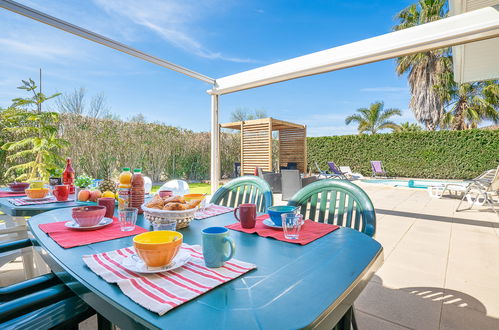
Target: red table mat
68,238
10,194
310,230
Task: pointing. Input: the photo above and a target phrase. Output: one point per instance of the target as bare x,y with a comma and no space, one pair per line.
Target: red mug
109,203
61,192
165,193
247,215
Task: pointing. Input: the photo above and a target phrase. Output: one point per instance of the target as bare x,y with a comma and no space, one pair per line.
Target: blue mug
218,247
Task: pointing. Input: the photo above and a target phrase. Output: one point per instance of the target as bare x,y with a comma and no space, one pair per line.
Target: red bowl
18,186
88,216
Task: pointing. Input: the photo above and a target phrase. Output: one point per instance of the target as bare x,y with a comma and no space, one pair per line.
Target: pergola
256,143
466,27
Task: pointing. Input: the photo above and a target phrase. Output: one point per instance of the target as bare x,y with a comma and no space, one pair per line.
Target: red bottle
68,176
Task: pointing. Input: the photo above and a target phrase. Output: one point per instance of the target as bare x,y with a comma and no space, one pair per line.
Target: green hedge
435,155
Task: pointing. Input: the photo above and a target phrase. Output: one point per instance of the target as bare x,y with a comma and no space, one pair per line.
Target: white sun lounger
438,190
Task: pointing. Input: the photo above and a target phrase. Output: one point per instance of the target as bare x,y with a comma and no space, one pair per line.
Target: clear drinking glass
291,225
165,225
128,218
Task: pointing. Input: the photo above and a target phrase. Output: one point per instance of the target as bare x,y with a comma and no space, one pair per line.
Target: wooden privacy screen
256,147
293,147
256,143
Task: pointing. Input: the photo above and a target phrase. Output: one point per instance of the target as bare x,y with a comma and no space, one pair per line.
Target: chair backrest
178,187
245,189
333,168
346,169
292,166
290,183
337,202
377,166
318,168
494,185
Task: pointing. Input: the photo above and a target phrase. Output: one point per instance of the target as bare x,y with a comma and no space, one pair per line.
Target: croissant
175,207
175,199
192,204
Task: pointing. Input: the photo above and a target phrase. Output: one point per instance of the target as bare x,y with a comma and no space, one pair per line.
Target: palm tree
409,127
424,68
373,119
468,104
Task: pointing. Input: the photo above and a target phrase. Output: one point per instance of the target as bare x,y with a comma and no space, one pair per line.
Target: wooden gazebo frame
256,143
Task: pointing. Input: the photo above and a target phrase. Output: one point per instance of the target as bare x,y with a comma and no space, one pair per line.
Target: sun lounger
438,190
335,171
349,174
482,189
377,168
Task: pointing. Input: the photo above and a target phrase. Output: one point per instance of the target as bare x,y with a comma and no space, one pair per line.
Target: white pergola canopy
477,25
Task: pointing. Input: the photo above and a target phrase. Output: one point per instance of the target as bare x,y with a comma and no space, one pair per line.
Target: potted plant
55,176
82,182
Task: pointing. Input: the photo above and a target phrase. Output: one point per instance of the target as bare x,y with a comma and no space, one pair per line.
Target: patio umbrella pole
215,145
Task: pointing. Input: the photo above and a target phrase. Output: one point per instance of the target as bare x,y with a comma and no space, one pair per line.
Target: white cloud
172,20
385,89
34,48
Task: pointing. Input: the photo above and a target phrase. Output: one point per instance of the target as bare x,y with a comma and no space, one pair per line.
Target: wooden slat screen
293,147
256,144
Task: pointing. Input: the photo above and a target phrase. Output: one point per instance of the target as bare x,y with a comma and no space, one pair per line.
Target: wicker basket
183,218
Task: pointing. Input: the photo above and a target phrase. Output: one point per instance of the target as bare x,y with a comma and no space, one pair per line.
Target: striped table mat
24,201
161,292
212,211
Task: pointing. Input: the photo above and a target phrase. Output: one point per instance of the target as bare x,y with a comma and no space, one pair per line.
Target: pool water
422,184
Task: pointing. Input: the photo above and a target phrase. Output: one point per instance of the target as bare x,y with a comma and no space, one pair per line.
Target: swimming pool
421,184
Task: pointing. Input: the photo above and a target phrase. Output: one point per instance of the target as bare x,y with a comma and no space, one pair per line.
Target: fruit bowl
88,216
36,193
18,186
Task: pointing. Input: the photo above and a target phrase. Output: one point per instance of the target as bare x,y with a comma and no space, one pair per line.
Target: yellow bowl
157,248
190,197
37,193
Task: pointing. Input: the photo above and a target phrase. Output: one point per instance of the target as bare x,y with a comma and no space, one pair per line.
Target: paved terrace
441,268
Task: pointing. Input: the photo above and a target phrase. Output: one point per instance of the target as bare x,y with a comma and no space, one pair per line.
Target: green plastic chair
337,202
245,189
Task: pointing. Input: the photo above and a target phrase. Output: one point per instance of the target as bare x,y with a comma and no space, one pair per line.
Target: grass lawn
194,188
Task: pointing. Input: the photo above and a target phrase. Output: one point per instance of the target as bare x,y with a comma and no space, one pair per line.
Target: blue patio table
294,286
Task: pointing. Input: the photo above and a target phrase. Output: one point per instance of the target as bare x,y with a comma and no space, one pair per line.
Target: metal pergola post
215,145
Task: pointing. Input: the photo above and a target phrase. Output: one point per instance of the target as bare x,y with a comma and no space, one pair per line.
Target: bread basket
183,217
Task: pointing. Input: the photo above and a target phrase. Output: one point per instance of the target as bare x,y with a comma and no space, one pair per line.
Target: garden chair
377,167
335,171
323,173
178,187
245,189
336,202
348,172
438,190
483,189
41,302
273,179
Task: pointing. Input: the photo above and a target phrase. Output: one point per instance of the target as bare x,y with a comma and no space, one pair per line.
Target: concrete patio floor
441,268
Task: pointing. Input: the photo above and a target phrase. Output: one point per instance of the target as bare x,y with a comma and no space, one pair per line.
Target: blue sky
213,37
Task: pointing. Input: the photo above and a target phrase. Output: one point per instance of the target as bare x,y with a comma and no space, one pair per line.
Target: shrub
434,155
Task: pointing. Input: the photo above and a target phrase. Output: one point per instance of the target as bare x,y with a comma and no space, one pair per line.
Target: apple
83,195
94,195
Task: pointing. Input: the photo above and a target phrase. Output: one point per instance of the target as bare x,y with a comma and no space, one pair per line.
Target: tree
424,69
242,114
34,143
75,103
468,104
409,127
373,119
139,118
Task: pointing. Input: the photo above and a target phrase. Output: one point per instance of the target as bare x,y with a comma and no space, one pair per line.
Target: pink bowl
18,186
88,216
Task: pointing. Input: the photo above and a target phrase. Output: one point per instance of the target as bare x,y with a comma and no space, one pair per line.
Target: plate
267,222
14,192
135,264
73,225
